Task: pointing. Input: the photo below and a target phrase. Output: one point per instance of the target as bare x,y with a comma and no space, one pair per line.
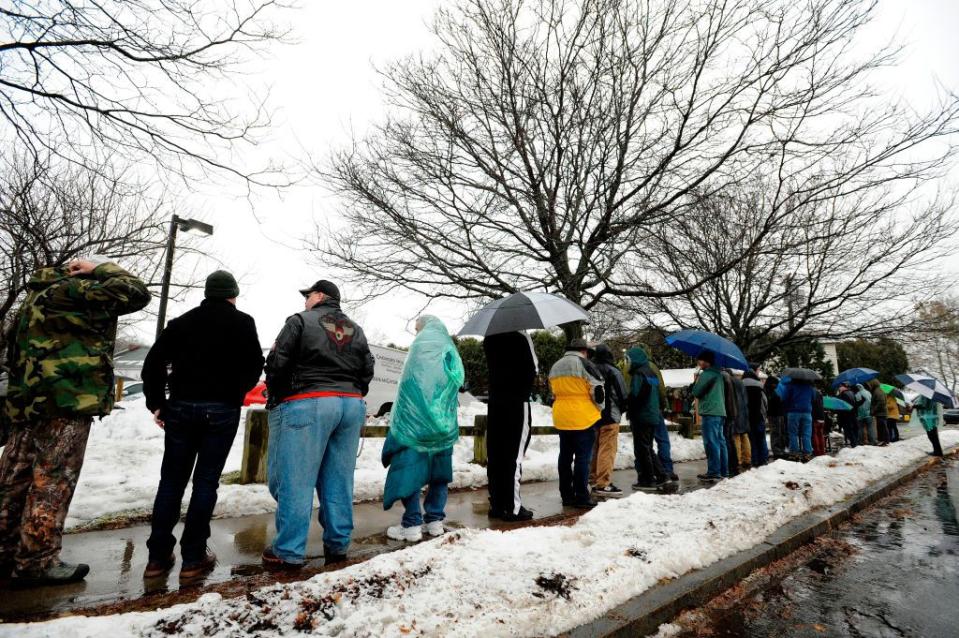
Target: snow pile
528,582
122,465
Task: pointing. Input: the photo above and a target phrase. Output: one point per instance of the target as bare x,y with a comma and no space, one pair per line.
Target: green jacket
63,337
709,390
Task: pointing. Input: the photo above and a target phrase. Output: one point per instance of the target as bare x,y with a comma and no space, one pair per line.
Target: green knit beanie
221,285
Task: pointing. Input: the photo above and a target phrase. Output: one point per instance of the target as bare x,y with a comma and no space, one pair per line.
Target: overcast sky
324,85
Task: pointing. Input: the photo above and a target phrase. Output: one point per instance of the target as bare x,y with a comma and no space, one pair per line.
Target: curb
643,614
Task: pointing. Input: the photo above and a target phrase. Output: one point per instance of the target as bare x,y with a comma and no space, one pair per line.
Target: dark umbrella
804,375
523,311
692,342
852,376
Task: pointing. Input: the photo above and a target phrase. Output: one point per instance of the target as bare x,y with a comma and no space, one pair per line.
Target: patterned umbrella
929,387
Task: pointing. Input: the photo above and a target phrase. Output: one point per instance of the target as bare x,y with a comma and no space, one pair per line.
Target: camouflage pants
38,473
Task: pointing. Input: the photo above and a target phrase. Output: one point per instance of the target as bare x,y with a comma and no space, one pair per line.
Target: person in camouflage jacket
61,376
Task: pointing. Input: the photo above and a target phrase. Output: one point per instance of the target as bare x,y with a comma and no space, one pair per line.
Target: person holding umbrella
579,394
848,419
709,391
878,412
930,415
512,364
511,361
757,409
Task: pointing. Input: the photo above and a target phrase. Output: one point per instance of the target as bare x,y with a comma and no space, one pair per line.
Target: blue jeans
663,451
200,433
800,430
313,445
717,454
434,504
575,456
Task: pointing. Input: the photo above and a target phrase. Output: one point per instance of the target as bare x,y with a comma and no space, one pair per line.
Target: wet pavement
894,571
117,557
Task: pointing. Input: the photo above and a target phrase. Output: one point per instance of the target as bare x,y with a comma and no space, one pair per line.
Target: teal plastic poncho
425,411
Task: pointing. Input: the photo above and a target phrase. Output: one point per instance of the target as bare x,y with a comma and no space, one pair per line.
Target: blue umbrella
852,376
929,387
692,342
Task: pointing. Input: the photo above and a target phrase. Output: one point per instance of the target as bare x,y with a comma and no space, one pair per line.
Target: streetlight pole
177,223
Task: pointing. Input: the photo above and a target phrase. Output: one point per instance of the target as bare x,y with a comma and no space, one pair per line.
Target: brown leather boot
159,567
194,570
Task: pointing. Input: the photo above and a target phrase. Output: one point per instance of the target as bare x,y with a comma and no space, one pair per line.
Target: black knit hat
706,355
328,288
221,285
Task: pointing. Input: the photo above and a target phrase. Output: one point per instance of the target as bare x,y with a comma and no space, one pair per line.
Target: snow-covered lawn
526,582
122,465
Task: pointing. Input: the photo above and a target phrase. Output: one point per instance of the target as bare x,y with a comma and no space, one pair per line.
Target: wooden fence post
480,423
255,443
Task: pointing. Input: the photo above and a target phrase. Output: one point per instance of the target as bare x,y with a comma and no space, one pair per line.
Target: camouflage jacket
63,340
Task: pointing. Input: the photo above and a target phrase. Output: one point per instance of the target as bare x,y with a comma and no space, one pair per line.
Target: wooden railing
257,436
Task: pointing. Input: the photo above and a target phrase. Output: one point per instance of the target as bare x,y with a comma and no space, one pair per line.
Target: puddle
891,573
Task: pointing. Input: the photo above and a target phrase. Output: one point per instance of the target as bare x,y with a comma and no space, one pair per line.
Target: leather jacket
318,350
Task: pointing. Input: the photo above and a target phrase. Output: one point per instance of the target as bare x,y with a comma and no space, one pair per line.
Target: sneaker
585,505
194,569
673,477
274,563
523,515
59,573
434,528
159,567
709,478
407,534
608,491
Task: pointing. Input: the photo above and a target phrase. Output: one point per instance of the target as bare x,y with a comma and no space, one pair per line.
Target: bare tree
52,212
935,346
834,268
152,80
551,144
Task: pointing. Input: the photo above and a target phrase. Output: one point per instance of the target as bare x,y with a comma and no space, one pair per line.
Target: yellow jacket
892,408
573,390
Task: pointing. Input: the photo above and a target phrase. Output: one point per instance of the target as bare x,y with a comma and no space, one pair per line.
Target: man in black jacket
214,359
848,419
317,374
511,361
607,432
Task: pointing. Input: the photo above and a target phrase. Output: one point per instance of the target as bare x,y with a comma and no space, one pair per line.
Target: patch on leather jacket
339,329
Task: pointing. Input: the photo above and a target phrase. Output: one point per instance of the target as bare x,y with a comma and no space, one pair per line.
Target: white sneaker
408,534
435,528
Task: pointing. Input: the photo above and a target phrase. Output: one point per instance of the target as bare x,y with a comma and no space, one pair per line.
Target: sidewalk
117,557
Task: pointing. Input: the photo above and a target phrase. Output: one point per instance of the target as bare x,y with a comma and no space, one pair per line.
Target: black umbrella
804,375
523,311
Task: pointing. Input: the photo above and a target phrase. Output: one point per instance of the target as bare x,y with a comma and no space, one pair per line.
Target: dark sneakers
159,567
332,558
709,478
522,515
193,570
59,573
585,505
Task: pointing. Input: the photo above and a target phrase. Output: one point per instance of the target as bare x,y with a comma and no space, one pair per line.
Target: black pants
850,430
893,425
882,429
196,433
649,469
731,447
933,435
575,456
507,437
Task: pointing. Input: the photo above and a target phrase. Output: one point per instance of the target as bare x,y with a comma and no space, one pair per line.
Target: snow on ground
125,450
527,582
